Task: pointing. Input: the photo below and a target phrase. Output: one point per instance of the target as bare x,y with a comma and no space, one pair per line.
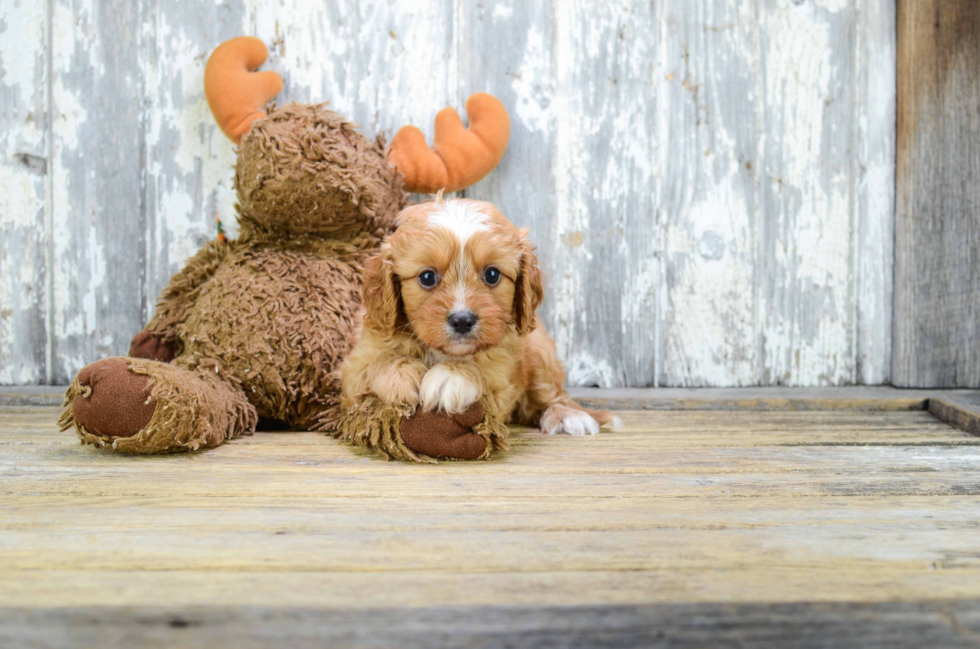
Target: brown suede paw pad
114,401
441,435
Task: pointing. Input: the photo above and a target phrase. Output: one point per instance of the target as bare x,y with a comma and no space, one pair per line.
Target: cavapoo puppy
450,321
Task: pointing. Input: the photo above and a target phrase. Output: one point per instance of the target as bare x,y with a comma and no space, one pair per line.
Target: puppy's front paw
446,389
571,421
398,385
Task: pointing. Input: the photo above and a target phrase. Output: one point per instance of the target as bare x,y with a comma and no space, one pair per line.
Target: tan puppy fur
461,258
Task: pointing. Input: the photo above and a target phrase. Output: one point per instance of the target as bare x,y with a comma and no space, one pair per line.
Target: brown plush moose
257,328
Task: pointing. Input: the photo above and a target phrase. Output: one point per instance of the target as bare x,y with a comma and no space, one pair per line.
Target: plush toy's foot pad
441,435
398,433
113,401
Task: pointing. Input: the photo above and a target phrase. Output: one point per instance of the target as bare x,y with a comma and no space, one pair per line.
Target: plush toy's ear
382,293
529,290
460,156
235,93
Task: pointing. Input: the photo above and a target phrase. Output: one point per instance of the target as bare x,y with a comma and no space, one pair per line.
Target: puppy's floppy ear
529,290
382,293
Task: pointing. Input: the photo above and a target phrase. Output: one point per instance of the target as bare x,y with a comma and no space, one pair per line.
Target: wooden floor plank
888,625
676,509
825,548
738,468
418,589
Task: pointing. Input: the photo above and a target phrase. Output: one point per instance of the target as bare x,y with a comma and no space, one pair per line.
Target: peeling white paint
874,206
772,159
532,85
189,166
23,164
712,342
21,48
381,64
711,183
502,11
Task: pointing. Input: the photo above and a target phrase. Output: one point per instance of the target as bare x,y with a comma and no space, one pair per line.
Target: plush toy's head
306,170
303,169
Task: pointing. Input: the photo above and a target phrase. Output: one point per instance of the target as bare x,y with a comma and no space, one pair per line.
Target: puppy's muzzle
462,322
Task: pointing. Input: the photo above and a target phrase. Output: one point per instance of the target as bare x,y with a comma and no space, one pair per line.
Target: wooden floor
822,527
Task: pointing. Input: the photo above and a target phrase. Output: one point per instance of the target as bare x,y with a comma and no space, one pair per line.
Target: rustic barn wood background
711,183
937,261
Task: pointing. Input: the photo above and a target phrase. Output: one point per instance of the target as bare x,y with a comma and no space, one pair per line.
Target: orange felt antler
460,156
235,93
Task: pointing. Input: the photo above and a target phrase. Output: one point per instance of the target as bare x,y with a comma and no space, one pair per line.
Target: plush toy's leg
422,436
141,406
147,345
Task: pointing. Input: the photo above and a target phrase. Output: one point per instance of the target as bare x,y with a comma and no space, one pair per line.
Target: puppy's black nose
462,321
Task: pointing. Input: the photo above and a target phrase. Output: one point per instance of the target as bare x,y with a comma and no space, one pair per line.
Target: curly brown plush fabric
305,170
258,327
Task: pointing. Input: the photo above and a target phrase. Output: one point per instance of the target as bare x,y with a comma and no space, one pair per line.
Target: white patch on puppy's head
462,218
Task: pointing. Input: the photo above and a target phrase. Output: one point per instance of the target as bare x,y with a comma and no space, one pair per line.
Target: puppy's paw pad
571,422
444,389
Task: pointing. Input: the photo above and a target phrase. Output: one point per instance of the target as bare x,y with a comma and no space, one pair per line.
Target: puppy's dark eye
491,276
428,279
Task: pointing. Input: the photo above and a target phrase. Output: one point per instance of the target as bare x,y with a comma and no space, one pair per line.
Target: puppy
450,319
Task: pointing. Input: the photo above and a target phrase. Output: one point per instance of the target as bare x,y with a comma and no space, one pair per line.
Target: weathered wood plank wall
937,255
24,140
710,182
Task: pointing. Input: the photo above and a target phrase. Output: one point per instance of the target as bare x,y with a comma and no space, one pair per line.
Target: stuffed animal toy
256,328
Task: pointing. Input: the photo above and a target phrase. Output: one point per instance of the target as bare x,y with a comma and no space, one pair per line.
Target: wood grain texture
580,80
763,244
187,163
23,184
873,197
958,410
381,64
709,182
937,237
97,140
808,626
740,523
